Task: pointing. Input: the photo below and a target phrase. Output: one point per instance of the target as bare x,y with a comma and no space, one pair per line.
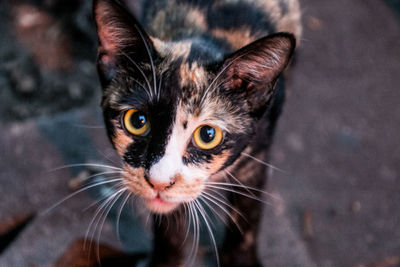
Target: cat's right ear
120,36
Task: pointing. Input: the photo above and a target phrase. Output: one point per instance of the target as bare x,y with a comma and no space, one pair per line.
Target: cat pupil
138,120
207,134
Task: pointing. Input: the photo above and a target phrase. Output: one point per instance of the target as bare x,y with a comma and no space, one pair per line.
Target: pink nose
160,186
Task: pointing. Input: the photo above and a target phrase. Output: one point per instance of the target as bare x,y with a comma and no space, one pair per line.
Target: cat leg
240,248
169,235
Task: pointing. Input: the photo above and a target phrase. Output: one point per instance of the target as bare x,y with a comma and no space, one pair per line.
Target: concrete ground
337,144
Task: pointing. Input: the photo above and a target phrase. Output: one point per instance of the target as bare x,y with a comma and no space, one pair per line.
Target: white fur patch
171,163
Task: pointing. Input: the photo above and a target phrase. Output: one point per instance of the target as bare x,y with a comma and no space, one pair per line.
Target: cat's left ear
254,69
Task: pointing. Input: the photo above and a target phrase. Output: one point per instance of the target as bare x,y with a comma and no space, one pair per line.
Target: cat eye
207,137
135,122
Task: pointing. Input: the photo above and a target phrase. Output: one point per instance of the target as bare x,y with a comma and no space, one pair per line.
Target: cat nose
158,185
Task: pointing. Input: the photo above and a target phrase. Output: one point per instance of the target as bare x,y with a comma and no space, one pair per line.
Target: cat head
179,116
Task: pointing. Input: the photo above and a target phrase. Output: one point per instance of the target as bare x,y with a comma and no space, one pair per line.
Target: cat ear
254,69
120,37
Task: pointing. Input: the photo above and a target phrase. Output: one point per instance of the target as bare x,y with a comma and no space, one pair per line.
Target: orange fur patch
134,178
192,75
218,161
197,17
121,141
237,38
289,22
184,190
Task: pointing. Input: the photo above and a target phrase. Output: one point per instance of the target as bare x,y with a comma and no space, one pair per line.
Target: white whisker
88,126
150,58
143,87
224,202
75,193
86,165
218,75
189,223
99,212
247,188
239,193
106,156
196,234
205,198
263,162
140,70
159,88
208,197
210,232
238,181
105,217
120,212
113,188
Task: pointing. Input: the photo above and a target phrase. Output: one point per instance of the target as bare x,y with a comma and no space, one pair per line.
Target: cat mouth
159,205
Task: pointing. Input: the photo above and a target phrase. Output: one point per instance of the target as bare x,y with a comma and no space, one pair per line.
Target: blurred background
337,142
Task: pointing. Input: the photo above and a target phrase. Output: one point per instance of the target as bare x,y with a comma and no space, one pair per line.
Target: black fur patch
249,16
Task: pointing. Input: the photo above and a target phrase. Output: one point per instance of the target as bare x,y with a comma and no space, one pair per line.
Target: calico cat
190,98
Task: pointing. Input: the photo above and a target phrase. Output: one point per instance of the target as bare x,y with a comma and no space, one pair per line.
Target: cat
191,98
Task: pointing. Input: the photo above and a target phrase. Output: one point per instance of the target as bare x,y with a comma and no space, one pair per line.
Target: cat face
179,114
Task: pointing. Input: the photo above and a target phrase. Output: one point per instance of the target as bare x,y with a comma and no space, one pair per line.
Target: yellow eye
136,122
207,137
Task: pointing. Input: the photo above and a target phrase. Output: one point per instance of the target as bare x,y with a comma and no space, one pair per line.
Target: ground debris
308,231
91,254
11,227
356,206
387,262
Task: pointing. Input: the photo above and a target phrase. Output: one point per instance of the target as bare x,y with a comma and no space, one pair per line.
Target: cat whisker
123,203
103,214
238,192
263,162
218,86
113,188
150,58
86,165
99,213
159,88
196,234
148,217
107,157
197,231
89,126
143,87
75,193
189,223
218,76
191,219
205,199
140,70
221,200
105,217
215,200
247,188
210,232
106,201
239,182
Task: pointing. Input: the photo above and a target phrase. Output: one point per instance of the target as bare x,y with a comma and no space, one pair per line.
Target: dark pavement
337,142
